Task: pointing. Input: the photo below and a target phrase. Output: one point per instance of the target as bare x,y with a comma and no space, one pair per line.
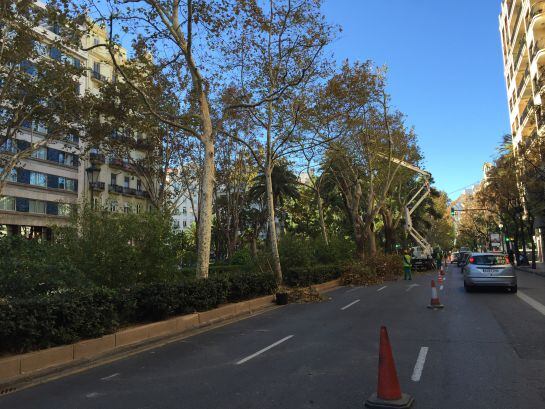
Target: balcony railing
129,191
523,82
519,54
118,163
538,8
115,189
98,76
529,108
97,158
97,185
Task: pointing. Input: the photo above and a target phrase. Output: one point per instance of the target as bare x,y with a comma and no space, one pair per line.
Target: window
36,206
55,53
138,185
113,179
68,159
113,206
7,203
96,68
127,182
62,183
12,176
38,179
184,223
40,153
127,208
8,146
138,208
39,127
64,209
96,41
71,185
176,224
184,210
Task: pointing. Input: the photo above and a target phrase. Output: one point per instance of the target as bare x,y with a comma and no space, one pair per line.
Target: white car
489,270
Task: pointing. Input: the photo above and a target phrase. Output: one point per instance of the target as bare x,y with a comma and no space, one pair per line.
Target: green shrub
248,285
59,318
56,319
295,252
305,276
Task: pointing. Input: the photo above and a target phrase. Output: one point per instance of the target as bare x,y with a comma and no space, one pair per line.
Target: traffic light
507,239
452,212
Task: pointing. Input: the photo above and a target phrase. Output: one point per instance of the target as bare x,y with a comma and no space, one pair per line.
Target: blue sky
445,74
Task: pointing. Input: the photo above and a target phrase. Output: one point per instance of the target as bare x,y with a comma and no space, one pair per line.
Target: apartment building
41,191
522,30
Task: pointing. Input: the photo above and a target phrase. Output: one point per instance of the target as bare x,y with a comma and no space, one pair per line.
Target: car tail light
472,260
507,260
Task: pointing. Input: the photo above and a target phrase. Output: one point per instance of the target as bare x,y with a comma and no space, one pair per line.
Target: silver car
489,270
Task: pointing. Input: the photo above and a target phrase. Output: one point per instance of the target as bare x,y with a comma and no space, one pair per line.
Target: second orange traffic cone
434,303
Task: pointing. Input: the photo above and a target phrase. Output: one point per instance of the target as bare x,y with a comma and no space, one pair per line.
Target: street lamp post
92,176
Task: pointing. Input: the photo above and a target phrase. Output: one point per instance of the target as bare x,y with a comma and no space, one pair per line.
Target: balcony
118,163
142,193
537,9
523,83
527,111
115,189
97,158
520,53
129,191
98,76
98,186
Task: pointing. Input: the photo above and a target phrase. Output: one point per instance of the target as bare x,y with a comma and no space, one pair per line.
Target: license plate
490,270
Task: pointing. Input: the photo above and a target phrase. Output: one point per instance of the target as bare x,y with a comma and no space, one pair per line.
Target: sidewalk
540,269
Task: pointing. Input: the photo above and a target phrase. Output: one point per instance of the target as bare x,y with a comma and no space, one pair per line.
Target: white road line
350,305
411,287
107,378
382,288
530,301
419,366
263,350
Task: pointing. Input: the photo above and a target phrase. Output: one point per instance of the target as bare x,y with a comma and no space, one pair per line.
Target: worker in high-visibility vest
407,266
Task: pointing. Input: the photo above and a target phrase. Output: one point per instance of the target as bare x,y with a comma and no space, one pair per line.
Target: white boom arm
414,202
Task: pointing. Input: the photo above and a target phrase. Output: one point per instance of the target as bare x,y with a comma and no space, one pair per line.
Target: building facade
522,30
41,191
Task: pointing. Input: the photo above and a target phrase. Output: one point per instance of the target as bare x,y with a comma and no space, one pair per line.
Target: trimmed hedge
53,319
305,276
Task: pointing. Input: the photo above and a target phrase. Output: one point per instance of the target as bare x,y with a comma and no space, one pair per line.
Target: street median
15,367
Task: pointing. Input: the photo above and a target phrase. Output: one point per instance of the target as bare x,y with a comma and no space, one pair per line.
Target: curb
27,367
529,270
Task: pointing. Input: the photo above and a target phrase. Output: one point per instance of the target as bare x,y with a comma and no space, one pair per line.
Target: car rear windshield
488,260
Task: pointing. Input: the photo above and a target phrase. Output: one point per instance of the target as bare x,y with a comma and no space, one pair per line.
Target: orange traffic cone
434,303
388,390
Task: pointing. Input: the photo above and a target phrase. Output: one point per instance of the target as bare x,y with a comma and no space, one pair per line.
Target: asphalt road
485,350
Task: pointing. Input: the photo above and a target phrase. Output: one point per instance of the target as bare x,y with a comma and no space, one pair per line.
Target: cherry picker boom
422,254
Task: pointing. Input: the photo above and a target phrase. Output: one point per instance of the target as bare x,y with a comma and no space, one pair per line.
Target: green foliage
54,319
241,257
117,250
308,275
295,252
30,267
46,320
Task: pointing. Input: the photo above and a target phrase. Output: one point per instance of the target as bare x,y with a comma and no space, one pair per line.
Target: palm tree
285,185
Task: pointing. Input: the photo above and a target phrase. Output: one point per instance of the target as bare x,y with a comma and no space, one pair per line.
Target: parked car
454,257
489,270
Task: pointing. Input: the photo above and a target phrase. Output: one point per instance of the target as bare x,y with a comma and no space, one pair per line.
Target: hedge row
65,317
305,276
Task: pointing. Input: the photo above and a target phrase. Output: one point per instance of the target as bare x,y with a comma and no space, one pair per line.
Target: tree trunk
321,216
205,209
272,225
370,239
253,246
357,225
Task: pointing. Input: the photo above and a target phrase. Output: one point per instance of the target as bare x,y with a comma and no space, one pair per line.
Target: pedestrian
439,259
407,266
